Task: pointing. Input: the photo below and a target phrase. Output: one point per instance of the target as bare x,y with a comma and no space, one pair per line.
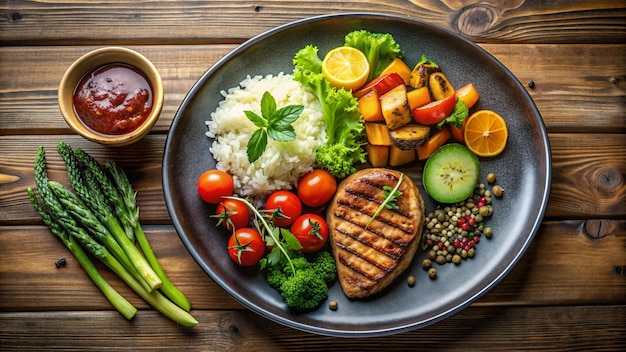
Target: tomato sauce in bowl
114,99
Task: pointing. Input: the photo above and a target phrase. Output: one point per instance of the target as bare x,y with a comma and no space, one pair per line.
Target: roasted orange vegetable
398,66
369,107
468,94
418,97
399,157
378,155
433,143
377,134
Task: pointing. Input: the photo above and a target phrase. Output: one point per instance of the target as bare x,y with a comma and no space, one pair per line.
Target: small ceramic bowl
92,61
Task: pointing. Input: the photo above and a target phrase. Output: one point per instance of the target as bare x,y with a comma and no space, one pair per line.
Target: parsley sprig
273,123
391,198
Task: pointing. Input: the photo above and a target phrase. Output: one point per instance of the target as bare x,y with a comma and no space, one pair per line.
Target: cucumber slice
451,173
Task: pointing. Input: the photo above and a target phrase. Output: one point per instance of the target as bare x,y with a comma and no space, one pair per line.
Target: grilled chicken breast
370,257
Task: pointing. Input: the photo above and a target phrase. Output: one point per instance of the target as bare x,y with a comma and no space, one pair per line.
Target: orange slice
486,133
346,67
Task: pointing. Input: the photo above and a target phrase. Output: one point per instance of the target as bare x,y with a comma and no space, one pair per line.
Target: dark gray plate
523,169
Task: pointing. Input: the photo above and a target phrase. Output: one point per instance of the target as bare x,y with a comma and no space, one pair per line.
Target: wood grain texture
564,265
597,161
194,22
567,292
588,79
578,328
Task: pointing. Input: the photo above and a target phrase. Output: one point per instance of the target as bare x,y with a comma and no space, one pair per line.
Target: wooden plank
598,166
597,161
562,75
569,262
196,22
587,328
33,282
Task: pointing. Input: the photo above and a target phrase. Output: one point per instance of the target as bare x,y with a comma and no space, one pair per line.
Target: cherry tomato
246,247
311,231
214,184
316,187
233,214
434,112
289,205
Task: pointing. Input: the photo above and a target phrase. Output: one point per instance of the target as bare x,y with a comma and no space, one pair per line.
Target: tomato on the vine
311,231
214,184
316,187
246,246
232,214
285,206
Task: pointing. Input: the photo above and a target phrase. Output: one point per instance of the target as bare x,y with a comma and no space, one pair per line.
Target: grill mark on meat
361,228
367,259
374,200
352,206
368,243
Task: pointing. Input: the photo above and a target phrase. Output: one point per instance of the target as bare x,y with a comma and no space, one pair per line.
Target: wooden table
567,293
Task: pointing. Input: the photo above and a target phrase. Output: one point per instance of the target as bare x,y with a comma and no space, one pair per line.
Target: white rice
282,163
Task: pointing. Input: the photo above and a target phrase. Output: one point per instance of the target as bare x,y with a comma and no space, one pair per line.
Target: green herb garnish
391,198
273,123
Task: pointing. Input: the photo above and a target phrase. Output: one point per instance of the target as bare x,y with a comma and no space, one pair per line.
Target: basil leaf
273,123
288,114
258,121
256,145
285,134
268,104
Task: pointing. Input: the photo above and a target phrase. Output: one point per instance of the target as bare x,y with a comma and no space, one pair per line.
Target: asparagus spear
123,198
154,298
108,189
129,197
67,222
95,213
117,300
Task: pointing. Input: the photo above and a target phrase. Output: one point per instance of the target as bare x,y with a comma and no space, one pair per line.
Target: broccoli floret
304,291
276,276
300,263
307,288
324,266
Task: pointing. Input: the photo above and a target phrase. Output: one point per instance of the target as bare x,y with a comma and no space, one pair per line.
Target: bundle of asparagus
101,216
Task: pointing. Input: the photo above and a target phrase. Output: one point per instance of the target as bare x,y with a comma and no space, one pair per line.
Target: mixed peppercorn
451,232
60,262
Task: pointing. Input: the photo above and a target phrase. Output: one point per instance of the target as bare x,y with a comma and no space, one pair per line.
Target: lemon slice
346,67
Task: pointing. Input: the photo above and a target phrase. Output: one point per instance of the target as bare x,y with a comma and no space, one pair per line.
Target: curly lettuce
344,125
379,48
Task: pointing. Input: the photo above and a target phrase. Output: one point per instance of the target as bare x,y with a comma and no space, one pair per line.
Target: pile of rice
282,163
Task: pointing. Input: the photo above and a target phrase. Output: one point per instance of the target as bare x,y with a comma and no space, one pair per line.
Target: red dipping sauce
113,99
